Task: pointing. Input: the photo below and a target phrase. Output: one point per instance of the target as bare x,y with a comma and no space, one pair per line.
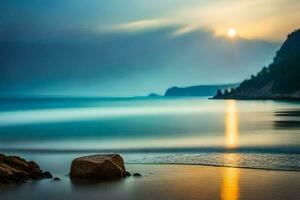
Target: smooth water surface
257,134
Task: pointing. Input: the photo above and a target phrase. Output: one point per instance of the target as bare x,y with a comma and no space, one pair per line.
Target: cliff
279,80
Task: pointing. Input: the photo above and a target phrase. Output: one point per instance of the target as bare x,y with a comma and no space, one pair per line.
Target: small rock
48,175
56,179
137,175
127,174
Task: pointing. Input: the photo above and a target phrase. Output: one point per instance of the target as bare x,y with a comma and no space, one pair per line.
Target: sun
231,33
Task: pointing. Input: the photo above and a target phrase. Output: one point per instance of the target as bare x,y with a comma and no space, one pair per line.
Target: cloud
137,26
184,30
127,64
272,21
269,20
138,46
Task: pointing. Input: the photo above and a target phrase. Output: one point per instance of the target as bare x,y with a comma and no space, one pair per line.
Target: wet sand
169,182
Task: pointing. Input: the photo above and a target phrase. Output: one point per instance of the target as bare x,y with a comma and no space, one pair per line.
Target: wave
256,149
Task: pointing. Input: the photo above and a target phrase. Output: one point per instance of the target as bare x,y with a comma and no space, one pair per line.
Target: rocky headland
279,80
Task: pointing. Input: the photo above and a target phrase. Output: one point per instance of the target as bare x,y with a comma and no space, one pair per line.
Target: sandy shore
169,182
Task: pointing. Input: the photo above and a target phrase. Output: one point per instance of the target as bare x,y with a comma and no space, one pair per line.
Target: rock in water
100,167
48,175
137,175
56,179
127,174
14,169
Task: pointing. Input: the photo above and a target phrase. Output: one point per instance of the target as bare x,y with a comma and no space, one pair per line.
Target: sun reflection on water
230,185
230,189
231,125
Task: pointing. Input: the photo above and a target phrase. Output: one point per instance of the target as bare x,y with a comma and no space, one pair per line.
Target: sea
191,131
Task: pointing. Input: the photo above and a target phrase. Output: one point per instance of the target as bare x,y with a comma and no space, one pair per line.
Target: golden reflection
230,185
231,125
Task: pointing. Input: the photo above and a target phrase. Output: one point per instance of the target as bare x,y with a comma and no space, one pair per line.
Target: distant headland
194,91
199,90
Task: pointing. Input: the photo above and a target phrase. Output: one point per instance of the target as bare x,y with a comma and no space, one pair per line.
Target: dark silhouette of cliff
279,80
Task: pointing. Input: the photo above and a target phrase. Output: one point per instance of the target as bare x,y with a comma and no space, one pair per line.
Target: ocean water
248,134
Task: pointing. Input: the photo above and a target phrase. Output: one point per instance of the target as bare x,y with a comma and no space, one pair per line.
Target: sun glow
231,33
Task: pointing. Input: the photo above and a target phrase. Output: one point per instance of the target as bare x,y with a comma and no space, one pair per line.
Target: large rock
100,167
14,169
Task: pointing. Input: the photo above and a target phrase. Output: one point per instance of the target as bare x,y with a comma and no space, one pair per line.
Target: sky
135,47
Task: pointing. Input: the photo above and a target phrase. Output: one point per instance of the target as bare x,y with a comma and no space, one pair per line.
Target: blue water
253,134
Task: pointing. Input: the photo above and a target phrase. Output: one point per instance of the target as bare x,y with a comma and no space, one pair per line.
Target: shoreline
214,159
218,166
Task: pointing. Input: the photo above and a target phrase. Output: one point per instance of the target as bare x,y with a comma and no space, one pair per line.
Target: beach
165,181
